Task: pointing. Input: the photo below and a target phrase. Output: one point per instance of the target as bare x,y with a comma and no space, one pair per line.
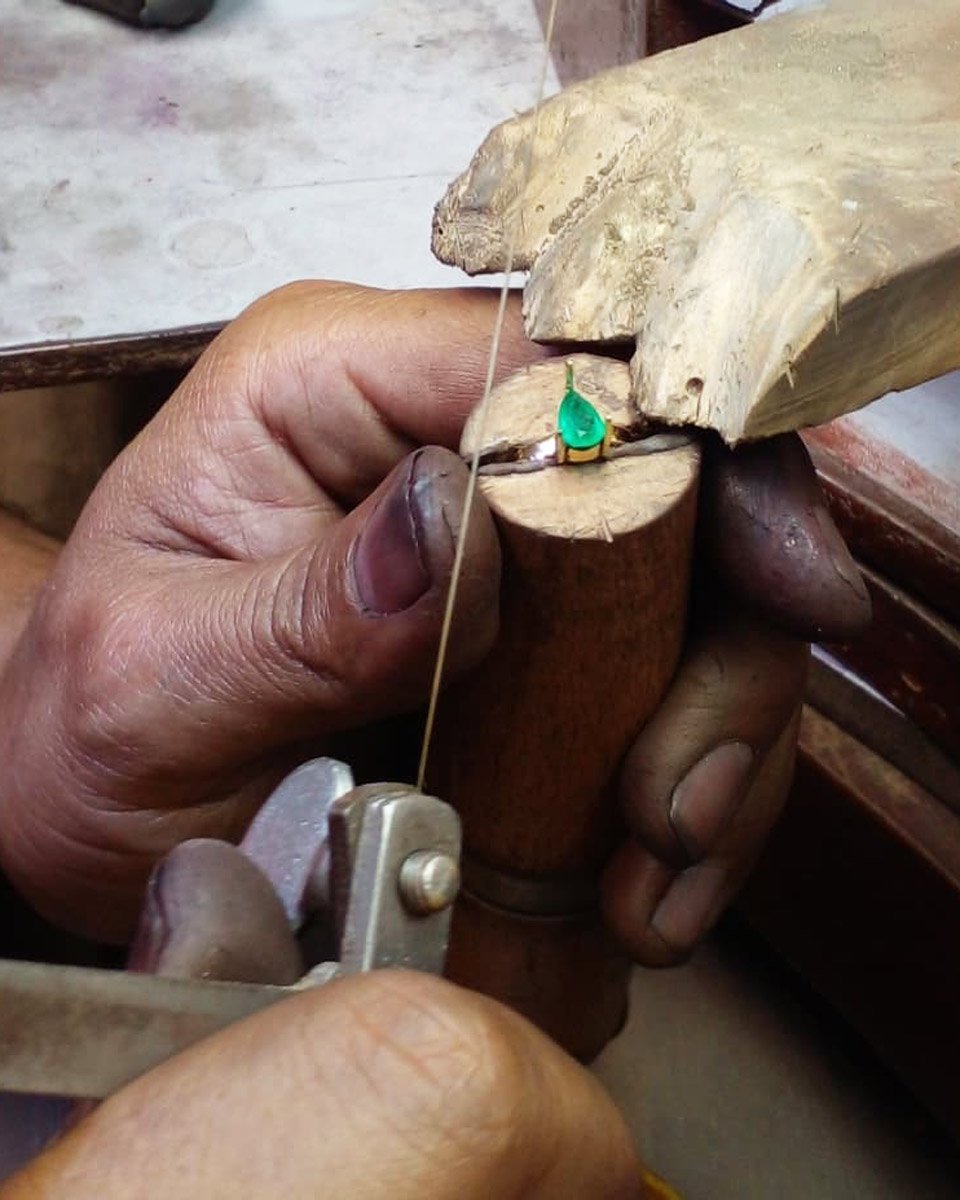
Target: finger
346,629
691,767
234,662
256,655
418,358
382,1085
774,544
209,913
302,406
661,912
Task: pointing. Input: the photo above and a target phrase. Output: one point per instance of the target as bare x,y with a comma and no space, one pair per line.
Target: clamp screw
429,882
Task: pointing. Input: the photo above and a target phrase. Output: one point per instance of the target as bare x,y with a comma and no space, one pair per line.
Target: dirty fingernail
388,563
706,798
153,931
690,906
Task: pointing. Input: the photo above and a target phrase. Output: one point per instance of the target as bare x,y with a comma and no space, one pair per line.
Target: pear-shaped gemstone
578,422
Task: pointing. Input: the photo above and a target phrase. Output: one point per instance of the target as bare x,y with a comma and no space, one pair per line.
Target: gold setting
568,454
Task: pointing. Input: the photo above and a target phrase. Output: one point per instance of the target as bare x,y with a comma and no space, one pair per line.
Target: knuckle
278,299
288,622
751,681
291,300
105,683
444,1061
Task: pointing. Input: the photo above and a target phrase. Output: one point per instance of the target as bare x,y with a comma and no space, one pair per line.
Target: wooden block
773,215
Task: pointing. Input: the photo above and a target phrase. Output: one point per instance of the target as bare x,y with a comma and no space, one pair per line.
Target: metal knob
429,882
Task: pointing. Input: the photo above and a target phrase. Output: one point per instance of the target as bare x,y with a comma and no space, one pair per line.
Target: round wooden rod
596,568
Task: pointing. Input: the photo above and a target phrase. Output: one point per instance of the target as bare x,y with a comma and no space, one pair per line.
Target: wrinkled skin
264,567
385,1085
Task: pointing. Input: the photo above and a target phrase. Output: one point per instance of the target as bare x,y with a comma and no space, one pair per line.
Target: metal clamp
382,859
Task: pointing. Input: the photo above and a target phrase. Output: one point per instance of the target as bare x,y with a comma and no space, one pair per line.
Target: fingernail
842,560
388,563
706,798
153,932
690,906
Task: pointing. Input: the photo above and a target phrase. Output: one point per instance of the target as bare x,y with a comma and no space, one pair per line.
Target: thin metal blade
74,1031
840,694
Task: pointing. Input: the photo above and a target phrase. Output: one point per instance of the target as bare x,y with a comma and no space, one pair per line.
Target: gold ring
583,436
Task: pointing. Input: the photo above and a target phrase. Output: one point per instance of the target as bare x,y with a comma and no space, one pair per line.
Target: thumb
183,684
347,629
256,656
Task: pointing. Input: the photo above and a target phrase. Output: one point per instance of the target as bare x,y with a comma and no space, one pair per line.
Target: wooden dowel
596,574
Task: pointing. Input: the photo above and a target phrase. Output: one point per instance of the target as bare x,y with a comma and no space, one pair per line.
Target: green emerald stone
578,422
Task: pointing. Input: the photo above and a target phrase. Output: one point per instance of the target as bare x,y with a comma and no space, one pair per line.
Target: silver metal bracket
395,855
383,858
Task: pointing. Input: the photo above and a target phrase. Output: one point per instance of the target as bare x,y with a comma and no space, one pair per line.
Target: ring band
509,458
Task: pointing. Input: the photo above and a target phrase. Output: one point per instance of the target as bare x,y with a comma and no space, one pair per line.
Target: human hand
264,566
386,1084
709,774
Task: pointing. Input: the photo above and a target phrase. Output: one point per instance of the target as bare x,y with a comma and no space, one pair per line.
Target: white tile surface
153,180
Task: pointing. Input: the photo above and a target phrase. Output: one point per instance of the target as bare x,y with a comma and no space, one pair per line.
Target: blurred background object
171,13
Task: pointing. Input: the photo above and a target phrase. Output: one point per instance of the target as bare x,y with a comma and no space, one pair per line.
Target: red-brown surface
675,22
589,38
860,891
912,657
887,534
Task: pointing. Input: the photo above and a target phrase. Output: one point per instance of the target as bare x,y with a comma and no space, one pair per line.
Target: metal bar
852,704
76,1031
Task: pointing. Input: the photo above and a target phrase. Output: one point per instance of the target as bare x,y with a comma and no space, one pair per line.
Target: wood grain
51,364
773,215
885,532
596,572
912,657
